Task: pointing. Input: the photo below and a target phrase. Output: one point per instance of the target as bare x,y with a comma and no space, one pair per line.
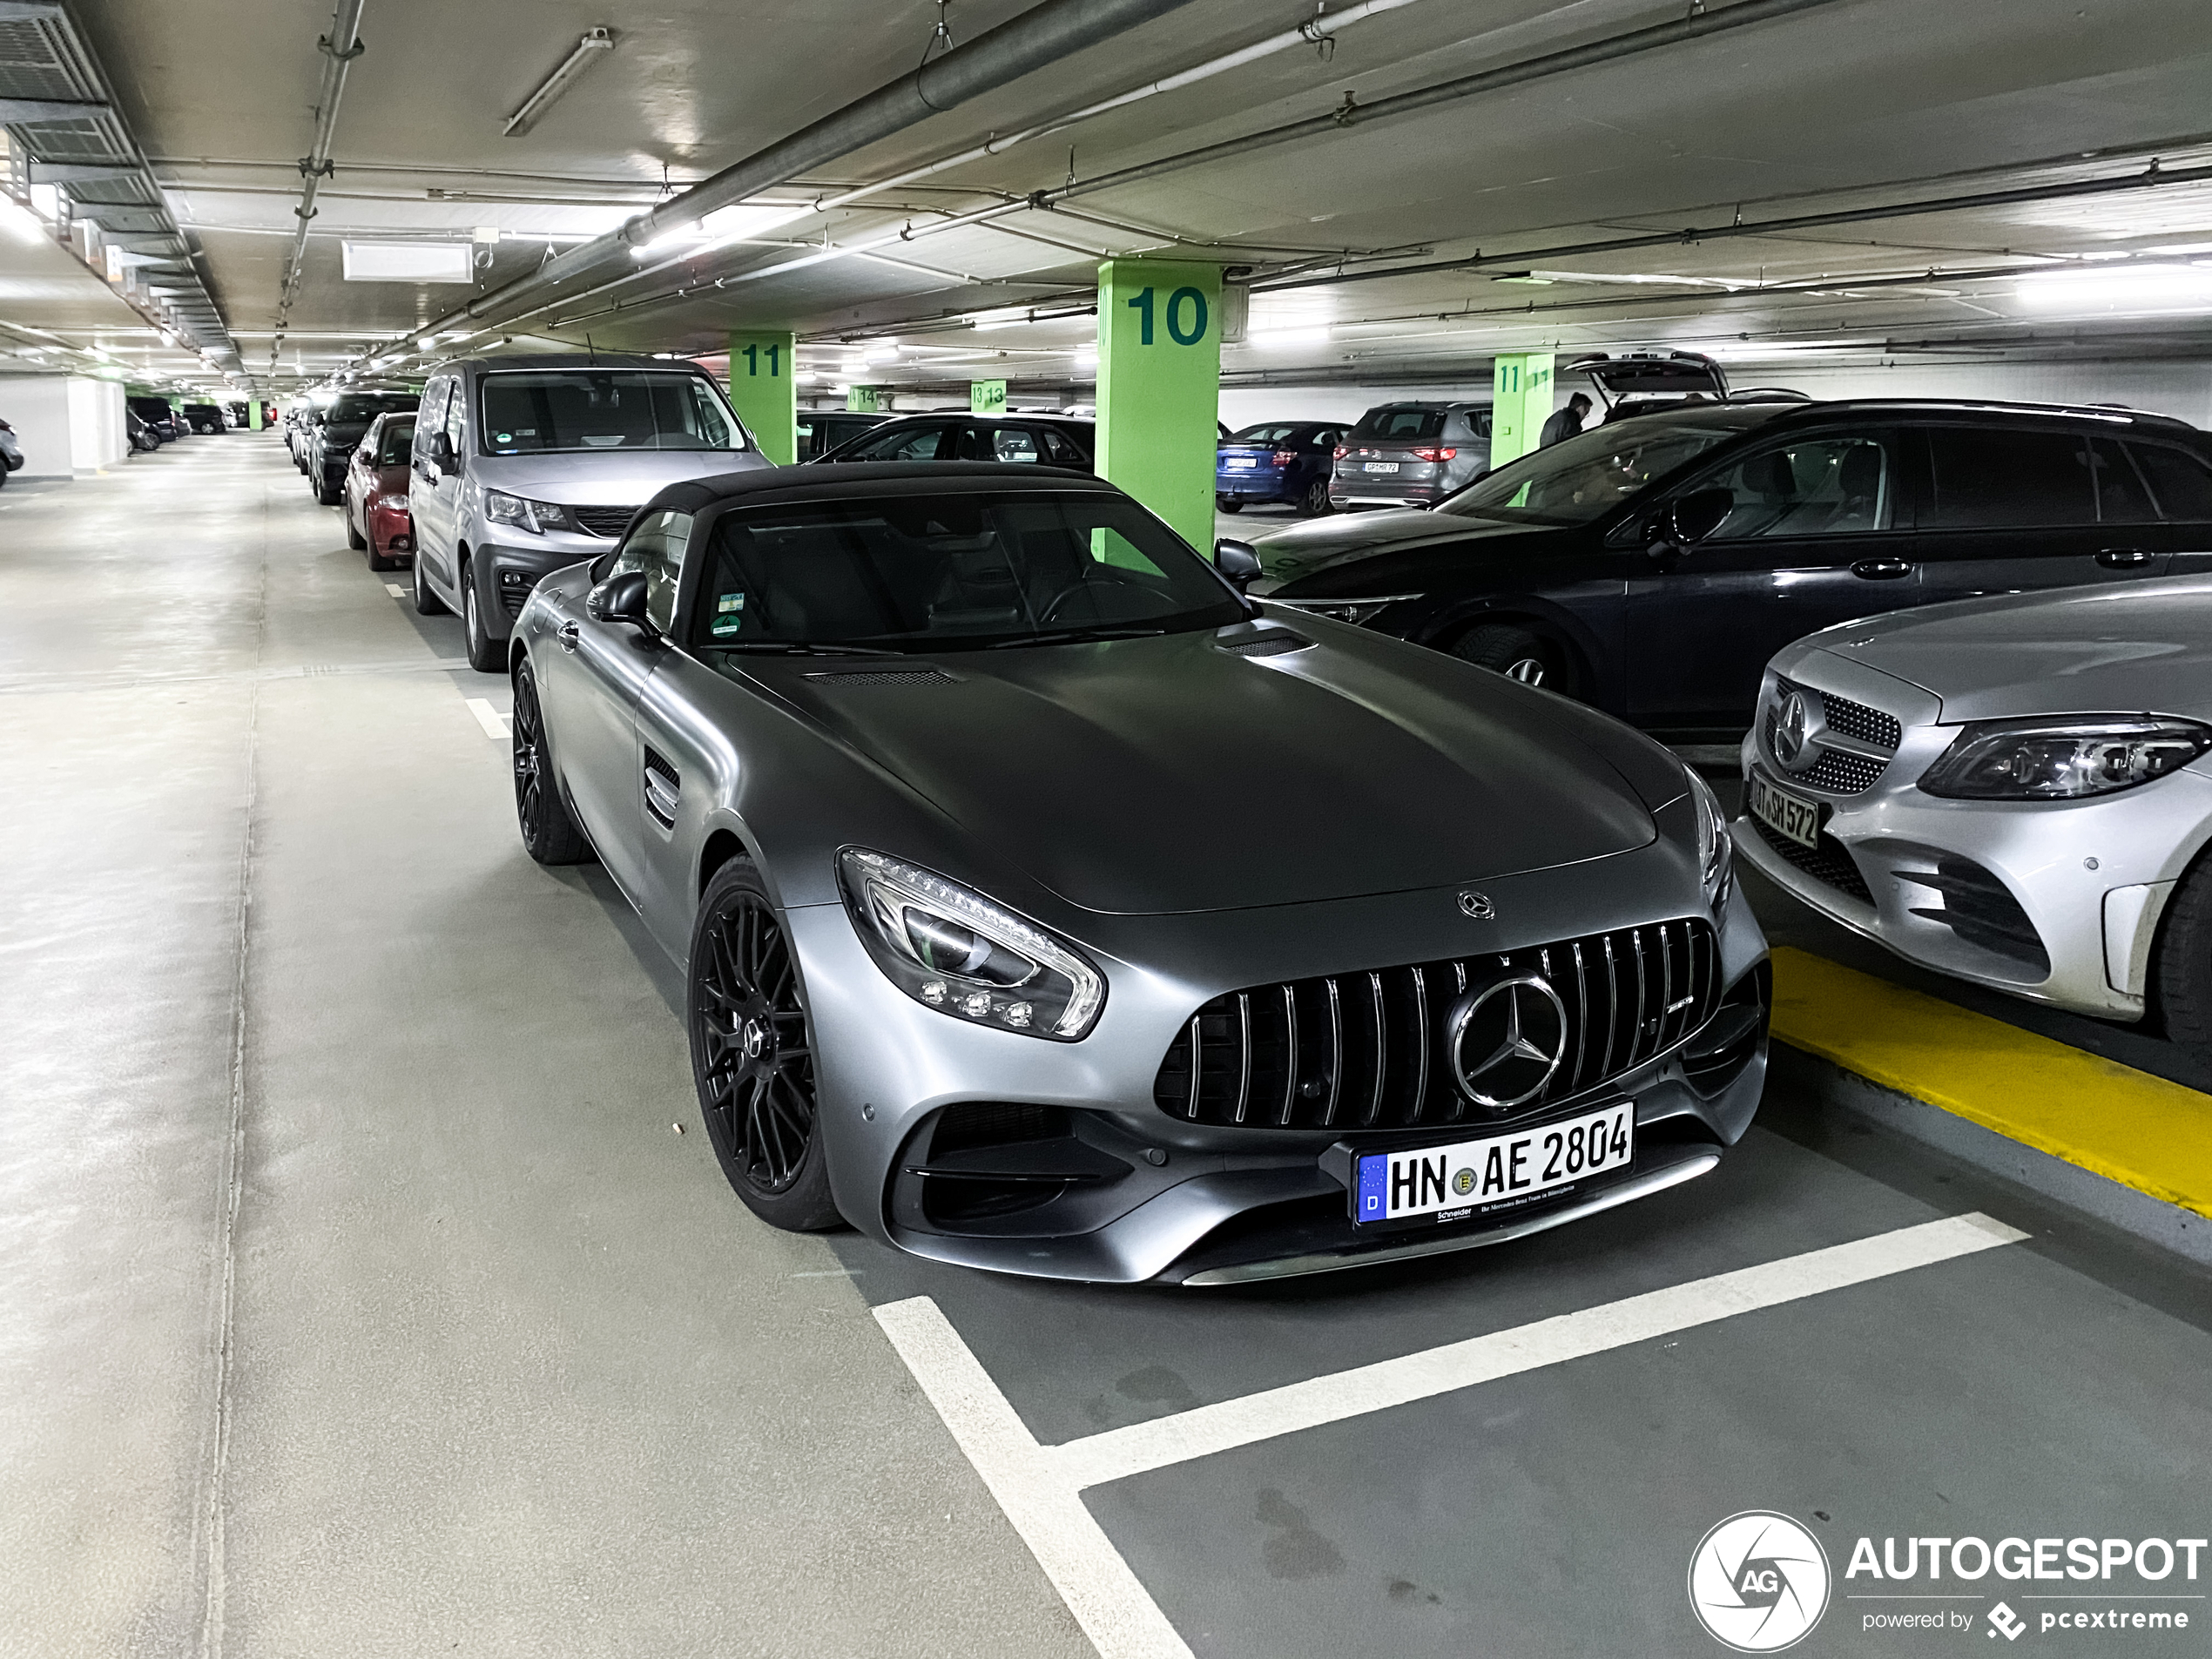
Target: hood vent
1268,645
882,676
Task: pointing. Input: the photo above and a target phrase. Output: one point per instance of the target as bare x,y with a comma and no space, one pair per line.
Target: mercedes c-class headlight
535,516
2061,759
1715,852
953,950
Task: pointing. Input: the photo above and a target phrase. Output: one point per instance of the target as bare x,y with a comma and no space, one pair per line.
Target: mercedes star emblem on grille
1789,728
1506,1040
1477,907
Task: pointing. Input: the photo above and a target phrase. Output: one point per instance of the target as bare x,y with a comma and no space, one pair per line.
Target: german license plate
1788,815
1497,1172
1382,466
1244,464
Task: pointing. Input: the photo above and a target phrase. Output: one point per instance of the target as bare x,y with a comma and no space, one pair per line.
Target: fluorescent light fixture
2142,288
408,262
887,354
2179,250
593,46
1289,337
805,379
46,201
668,242
1002,317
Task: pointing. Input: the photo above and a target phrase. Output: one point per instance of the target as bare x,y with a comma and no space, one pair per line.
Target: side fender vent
882,676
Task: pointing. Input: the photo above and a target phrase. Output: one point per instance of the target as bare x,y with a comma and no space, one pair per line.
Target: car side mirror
442,451
1692,519
1237,562
620,597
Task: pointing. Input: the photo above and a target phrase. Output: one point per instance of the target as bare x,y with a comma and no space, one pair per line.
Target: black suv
161,420
1652,566
1033,439
340,426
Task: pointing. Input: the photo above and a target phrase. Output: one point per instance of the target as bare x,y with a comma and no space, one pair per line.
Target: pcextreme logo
1758,1582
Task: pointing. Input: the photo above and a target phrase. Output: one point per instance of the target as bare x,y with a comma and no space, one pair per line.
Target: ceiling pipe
1039,37
2151,178
1319,31
339,48
1698,25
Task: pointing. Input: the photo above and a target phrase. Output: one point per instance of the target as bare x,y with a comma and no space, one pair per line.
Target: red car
376,512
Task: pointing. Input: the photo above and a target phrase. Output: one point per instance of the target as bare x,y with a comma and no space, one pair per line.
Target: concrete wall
37,407
96,434
2182,389
66,425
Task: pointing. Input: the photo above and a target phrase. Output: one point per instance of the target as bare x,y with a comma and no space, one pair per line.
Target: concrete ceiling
1855,104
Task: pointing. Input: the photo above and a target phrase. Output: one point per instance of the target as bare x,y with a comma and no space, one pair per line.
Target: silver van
523,465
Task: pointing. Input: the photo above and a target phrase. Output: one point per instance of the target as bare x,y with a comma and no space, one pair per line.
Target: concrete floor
360,1299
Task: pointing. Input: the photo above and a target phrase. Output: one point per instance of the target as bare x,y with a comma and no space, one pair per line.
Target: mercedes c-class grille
1479,1039
1839,771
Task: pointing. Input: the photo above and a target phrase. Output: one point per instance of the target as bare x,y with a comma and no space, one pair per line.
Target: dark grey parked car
1410,454
959,795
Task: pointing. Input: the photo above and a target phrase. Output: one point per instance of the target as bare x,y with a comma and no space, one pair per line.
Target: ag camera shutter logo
1758,1582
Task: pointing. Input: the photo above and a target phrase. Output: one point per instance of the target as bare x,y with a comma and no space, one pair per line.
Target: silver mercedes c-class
2015,790
1046,904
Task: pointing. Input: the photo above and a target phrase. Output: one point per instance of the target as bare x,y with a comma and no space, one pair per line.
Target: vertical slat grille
1371,1049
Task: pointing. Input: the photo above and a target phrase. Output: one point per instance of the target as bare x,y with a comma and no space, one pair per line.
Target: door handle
2123,558
1881,570
568,636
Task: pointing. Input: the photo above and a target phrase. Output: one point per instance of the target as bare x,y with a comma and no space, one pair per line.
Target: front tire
550,833
1517,654
752,1055
486,655
355,540
426,603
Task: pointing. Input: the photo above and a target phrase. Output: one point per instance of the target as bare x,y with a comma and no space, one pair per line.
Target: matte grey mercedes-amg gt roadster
1046,904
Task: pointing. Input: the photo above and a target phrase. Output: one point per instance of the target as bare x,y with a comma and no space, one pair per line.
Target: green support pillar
765,392
861,400
1159,387
1521,401
253,415
987,397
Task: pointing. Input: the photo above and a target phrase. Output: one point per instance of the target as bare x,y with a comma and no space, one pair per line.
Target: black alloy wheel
426,603
355,540
1315,502
550,833
752,1057
486,655
1517,654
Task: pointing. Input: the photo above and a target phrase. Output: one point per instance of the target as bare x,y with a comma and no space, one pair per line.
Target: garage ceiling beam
31,111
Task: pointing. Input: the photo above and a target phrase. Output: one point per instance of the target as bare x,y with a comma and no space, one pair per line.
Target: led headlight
535,516
1715,852
959,954
2061,759
395,503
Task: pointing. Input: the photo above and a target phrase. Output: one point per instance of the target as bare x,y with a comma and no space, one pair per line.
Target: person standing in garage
1566,422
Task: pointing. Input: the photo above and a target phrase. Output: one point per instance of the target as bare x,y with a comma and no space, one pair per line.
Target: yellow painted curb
2110,1119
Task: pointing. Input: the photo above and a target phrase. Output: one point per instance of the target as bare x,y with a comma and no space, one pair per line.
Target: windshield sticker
504,437
729,602
724,626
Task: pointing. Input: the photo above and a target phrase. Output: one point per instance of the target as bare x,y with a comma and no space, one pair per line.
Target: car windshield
395,441
359,408
531,413
943,572
1584,476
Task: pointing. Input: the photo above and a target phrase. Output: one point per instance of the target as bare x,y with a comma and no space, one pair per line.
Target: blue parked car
1286,461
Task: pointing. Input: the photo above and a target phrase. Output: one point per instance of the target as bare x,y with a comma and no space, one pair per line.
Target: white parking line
395,590
488,718
1039,1486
